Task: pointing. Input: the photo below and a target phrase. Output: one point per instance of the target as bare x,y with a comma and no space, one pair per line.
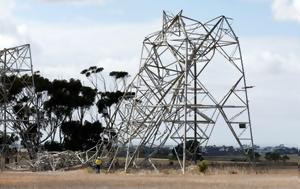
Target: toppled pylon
191,78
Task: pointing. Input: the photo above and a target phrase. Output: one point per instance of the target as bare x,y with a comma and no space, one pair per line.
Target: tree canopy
62,109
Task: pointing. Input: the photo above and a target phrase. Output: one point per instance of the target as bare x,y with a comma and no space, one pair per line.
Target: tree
272,156
53,146
250,155
284,158
192,150
94,75
53,103
106,99
66,97
81,137
20,96
119,75
60,107
7,141
256,156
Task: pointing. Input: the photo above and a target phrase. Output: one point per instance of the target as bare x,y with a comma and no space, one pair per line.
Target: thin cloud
87,44
281,57
76,2
6,7
286,10
11,33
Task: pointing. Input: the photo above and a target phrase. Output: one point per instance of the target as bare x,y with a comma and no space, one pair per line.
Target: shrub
53,146
203,166
272,156
284,158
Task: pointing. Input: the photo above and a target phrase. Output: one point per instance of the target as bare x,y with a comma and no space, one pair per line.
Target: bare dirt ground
82,179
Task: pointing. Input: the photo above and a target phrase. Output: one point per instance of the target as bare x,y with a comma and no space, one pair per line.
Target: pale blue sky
69,35
252,17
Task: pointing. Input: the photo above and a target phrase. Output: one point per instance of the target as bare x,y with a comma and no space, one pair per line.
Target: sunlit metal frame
168,88
15,61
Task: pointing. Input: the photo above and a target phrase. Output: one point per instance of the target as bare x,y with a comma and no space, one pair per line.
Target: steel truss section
63,160
191,76
16,70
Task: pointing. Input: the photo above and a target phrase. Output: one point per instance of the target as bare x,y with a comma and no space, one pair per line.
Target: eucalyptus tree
107,96
80,137
24,111
69,101
119,75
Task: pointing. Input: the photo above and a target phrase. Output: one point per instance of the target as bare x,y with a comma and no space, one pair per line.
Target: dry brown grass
214,179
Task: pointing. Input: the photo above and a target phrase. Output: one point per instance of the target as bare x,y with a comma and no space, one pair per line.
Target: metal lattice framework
191,79
16,70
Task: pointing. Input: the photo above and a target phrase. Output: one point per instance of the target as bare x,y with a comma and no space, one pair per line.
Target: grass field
84,179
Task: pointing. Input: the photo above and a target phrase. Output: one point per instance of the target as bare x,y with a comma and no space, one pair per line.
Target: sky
67,36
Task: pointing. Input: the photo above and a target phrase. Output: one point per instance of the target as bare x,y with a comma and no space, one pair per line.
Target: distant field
294,158
83,179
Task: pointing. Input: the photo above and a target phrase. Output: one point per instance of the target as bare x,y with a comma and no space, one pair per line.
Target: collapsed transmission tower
15,71
190,79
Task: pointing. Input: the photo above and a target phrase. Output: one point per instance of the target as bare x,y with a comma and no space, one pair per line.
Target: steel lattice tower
16,70
191,76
